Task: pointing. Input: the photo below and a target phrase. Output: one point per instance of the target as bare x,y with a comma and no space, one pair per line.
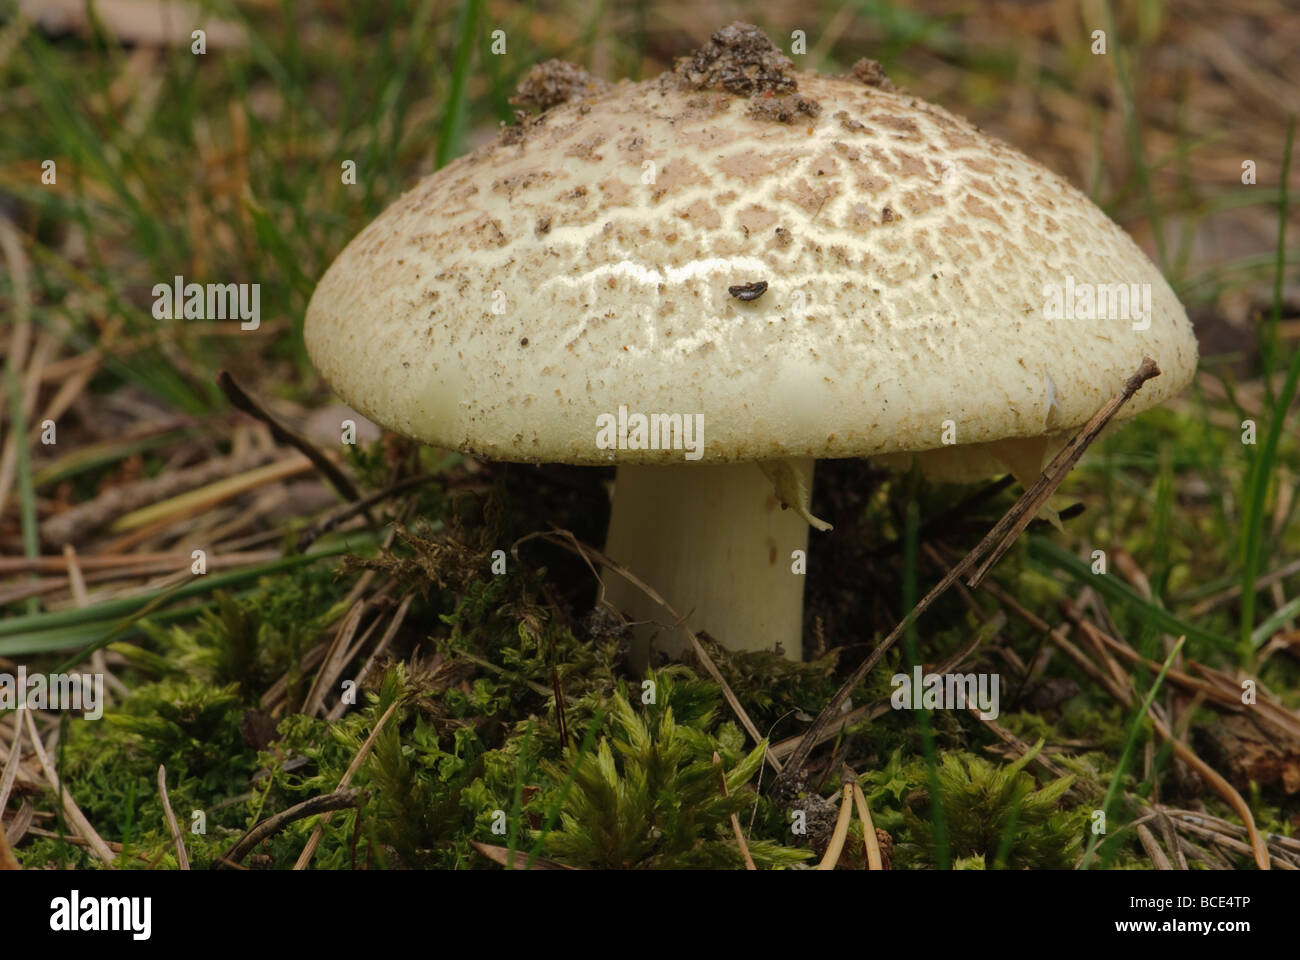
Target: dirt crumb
523,125
783,109
848,123
871,73
553,82
739,59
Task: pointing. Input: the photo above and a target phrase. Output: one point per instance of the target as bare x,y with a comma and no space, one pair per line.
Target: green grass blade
1048,552
1130,747
453,121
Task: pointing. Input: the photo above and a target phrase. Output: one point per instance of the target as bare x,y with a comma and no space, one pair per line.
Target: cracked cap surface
582,261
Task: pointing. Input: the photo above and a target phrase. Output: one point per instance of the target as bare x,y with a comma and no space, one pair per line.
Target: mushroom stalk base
716,544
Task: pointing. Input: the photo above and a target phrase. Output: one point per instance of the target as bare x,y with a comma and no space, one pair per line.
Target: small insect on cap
821,266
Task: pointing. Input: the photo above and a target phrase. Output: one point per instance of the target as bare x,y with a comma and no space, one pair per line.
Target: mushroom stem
716,544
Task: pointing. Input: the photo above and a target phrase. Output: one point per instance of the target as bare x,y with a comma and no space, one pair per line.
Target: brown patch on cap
746,165
675,174
514,182
585,149
755,219
848,123
783,109
739,59
615,191
702,213
553,82
486,232
802,193
906,126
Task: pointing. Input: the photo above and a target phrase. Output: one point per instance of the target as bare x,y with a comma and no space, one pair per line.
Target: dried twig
836,846
394,625
735,820
501,855
1152,848
182,858
77,524
329,470
325,803
350,510
11,765
314,840
7,859
874,860
1170,835
88,833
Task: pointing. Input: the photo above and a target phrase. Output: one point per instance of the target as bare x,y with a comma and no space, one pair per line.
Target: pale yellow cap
921,276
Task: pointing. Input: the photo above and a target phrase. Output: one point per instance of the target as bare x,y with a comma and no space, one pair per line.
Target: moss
996,812
650,795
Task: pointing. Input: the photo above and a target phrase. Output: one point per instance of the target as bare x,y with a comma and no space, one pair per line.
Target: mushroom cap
918,271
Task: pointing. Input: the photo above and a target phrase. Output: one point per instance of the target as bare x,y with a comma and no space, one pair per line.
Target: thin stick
80,522
242,401
11,765
395,625
501,856
92,838
1013,524
325,803
735,820
7,859
836,846
182,858
874,860
350,510
314,840
1152,848
131,563
1170,837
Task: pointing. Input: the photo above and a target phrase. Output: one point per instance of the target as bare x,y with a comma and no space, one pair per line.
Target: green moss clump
652,797
996,812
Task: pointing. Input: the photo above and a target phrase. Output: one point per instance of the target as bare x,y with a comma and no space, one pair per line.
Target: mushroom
716,276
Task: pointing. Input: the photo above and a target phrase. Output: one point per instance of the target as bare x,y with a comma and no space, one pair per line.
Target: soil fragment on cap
740,59
870,73
783,109
748,291
551,83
